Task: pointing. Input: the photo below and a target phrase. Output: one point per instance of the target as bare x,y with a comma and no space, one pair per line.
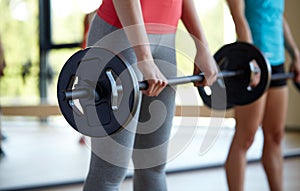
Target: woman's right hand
156,80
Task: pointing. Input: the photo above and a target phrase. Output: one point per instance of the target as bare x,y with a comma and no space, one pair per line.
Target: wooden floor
48,157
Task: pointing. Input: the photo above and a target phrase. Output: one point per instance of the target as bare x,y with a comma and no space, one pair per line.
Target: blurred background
38,36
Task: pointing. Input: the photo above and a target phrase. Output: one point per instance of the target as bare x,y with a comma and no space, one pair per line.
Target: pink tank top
160,16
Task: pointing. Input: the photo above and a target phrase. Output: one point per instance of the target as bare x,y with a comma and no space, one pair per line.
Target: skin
269,111
130,14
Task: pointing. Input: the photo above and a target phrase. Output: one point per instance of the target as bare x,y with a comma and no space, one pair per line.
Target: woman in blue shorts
262,23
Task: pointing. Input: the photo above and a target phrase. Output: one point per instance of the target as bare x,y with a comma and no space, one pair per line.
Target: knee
274,137
149,178
247,143
151,172
103,175
244,142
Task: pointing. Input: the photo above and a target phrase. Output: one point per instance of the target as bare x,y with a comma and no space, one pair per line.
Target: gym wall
292,15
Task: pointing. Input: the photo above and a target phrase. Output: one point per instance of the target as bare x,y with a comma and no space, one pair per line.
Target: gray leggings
145,140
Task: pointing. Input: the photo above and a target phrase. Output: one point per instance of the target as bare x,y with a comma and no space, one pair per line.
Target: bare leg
248,119
273,128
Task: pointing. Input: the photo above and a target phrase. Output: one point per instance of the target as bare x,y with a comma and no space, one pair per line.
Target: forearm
237,10
131,18
192,23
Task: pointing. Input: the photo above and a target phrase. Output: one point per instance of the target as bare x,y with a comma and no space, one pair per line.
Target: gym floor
48,156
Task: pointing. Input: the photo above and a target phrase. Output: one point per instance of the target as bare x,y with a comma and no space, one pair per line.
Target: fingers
295,67
197,71
297,77
155,87
210,76
155,78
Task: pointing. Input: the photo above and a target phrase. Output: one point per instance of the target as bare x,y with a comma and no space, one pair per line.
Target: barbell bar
290,75
282,76
143,85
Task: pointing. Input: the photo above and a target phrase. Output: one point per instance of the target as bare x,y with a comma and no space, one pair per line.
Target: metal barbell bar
282,76
143,85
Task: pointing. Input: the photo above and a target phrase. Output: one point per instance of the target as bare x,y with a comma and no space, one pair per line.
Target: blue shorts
276,70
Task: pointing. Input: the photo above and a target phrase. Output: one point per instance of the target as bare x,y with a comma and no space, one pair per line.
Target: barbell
98,91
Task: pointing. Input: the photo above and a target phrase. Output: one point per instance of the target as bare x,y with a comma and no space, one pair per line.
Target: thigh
115,149
249,118
276,109
276,105
156,115
158,111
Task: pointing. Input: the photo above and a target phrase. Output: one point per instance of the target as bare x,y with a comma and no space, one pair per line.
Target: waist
160,17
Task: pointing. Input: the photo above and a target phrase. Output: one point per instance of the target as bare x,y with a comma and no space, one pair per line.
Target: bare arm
131,18
243,32
292,49
204,62
237,10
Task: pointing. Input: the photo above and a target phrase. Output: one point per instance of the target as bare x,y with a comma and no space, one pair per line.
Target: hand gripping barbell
98,92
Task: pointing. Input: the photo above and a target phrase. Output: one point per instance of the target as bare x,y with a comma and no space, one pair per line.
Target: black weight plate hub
94,116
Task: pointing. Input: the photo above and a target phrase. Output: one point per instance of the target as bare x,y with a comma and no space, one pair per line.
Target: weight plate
215,96
237,57
92,69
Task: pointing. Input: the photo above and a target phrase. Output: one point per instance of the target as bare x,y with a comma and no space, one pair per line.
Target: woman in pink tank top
148,27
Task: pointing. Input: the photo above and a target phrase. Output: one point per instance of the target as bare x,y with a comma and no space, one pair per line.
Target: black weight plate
87,69
239,55
236,57
215,96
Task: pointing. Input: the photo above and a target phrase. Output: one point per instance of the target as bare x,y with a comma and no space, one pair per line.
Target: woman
262,22
149,26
